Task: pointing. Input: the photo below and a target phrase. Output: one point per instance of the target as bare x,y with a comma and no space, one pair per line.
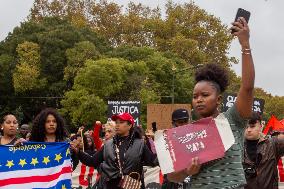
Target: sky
266,25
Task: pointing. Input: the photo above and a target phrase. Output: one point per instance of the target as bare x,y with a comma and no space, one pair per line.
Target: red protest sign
200,139
207,139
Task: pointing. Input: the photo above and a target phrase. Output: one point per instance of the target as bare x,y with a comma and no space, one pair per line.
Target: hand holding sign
192,144
194,168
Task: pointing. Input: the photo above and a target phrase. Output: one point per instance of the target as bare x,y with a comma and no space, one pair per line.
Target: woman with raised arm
211,82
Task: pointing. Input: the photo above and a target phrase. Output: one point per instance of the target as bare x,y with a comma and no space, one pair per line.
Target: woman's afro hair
213,73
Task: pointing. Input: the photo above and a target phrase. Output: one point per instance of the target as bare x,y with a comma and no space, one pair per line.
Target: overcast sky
266,23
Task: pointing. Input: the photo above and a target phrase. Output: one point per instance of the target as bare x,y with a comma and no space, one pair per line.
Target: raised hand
242,31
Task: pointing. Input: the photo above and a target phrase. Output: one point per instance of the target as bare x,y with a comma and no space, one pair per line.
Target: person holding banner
211,82
180,117
48,126
9,127
121,158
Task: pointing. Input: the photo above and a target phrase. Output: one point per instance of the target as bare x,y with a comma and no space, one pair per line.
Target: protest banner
153,177
230,99
84,176
131,107
176,147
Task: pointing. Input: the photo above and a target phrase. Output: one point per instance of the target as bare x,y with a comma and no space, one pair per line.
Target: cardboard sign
161,114
131,107
176,147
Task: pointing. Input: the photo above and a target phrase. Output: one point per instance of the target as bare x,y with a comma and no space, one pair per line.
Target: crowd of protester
119,150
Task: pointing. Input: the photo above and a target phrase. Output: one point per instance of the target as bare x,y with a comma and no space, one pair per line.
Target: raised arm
245,95
96,135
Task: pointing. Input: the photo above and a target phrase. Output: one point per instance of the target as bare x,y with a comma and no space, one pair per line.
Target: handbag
127,181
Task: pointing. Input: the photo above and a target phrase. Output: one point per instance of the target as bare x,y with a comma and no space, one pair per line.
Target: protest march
97,96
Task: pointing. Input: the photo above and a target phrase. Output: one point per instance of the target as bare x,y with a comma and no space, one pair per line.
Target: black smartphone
154,127
242,13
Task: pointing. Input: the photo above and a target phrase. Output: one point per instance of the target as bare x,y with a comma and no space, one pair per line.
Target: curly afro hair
215,74
38,129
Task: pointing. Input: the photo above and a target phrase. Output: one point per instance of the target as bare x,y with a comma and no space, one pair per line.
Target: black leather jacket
133,159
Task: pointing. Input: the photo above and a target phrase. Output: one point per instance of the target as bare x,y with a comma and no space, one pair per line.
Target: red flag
273,124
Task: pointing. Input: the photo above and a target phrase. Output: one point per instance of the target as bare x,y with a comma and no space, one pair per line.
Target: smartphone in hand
242,13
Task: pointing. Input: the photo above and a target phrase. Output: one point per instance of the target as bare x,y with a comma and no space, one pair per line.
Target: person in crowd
149,138
279,133
211,81
24,130
261,156
109,130
72,134
48,126
89,144
123,155
9,127
28,136
180,117
89,147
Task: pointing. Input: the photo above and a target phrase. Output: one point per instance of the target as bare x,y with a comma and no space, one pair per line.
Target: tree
77,56
94,84
135,74
74,10
93,51
7,64
27,73
36,54
187,30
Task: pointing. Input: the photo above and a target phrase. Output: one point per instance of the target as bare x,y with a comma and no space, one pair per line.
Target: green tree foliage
187,30
137,73
27,73
94,84
36,54
88,52
77,56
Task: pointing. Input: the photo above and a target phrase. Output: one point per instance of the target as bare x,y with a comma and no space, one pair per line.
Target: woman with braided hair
121,156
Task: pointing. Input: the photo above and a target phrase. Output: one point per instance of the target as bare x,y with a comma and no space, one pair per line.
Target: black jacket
263,172
133,154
